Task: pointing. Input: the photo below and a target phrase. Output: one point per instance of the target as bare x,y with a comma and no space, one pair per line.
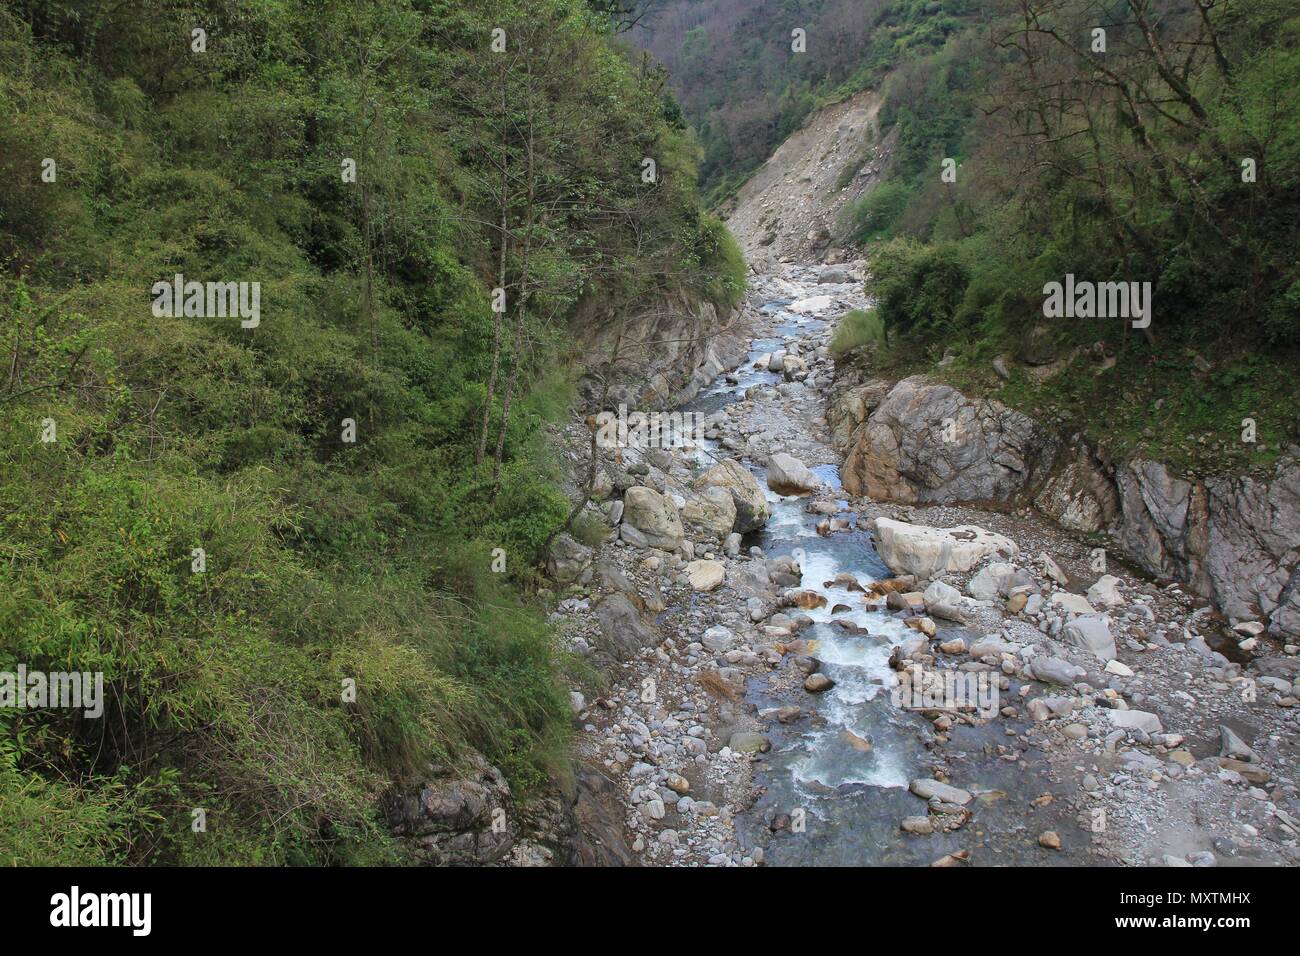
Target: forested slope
298,546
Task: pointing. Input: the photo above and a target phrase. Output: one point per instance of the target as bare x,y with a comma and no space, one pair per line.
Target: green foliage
918,289
327,561
876,213
856,328
744,88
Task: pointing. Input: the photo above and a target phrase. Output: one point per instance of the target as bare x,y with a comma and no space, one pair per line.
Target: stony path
751,712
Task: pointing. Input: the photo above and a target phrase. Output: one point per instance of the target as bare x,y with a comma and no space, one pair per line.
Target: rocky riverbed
765,655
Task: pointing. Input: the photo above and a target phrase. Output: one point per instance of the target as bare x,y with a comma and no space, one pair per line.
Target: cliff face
1234,540
657,355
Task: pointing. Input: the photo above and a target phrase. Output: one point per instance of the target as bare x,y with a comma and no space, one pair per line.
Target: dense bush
327,561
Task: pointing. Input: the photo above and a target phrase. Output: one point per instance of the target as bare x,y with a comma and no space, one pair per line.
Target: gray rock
926,787
1091,632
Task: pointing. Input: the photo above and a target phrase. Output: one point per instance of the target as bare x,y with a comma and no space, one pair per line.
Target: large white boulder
787,475
925,551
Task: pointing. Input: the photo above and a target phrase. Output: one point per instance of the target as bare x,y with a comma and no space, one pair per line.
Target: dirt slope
787,211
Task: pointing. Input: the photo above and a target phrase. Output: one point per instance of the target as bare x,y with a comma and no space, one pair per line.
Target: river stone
568,559
718,639
817,683
654,516
990,581
812,305
1136,720
706,575
940,593
926,787
787,475
926,552
712,509
1105,593
1056,670
1073,603
751,504
1091,632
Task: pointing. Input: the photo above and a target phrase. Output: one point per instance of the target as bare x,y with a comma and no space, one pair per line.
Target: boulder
1091,632
623,631
990,581
718,639
568,559
712,509
1136,720
1055,670
1105,592
931,444
787,475
751,504
927,552
654,516
706,575
926,788
1072,603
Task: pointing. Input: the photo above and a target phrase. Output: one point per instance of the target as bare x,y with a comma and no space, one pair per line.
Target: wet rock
1049,840
817,683
747,742
927,788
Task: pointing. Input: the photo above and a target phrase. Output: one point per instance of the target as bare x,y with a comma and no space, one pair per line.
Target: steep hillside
788,209
298,533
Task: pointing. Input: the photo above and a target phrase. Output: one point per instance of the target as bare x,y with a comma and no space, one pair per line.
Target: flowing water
844,773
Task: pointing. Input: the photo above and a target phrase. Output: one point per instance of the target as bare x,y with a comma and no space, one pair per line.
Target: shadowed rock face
1235,540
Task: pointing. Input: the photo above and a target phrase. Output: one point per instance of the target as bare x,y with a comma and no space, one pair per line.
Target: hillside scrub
277,543
1168,159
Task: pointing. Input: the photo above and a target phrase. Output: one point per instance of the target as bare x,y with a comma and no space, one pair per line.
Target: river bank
725,757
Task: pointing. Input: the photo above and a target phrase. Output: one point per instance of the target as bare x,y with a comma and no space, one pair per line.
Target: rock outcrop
1233,540
658,356
929,443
